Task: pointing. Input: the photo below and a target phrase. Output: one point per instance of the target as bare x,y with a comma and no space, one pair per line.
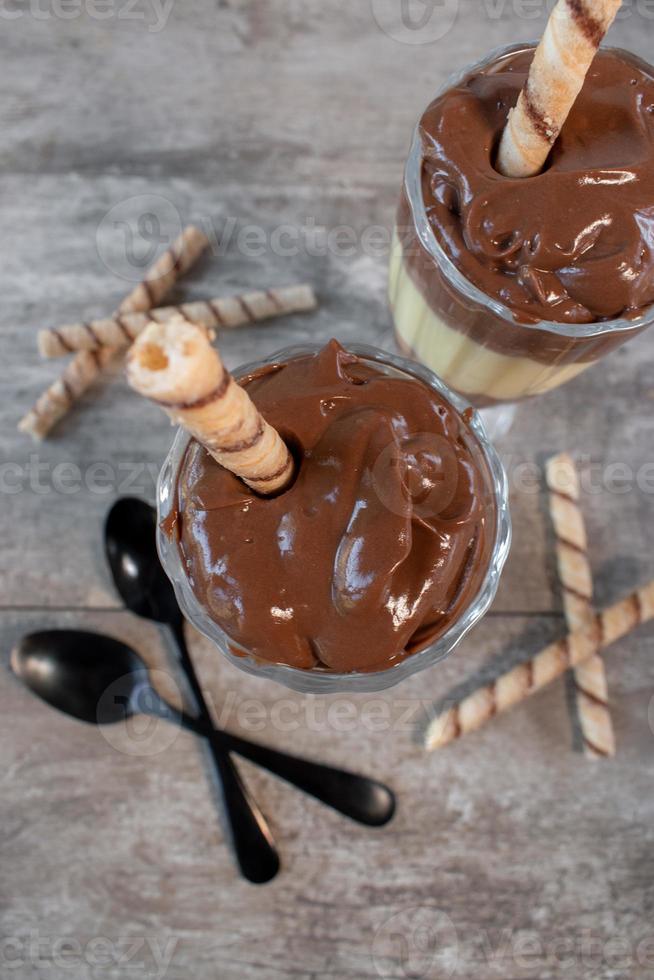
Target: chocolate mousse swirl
574,244
380,544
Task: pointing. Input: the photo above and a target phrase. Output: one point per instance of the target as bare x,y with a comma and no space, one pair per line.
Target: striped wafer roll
58,399
55,403
224,312
168,268
174,364
518,683
591,688
573,34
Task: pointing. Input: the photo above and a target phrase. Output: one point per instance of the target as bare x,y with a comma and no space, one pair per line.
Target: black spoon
100,680
146,590
137,582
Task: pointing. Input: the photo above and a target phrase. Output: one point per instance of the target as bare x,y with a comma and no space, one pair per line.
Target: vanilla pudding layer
473,370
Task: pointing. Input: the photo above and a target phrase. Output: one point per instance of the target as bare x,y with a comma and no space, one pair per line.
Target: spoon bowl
130,545
72,671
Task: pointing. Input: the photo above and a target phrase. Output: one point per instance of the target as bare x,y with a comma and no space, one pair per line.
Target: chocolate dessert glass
477,598
479,346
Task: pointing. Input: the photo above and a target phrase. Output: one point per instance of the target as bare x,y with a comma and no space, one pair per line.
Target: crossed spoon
100,680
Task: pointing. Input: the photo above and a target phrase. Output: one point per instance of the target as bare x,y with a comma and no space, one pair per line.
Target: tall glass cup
475,343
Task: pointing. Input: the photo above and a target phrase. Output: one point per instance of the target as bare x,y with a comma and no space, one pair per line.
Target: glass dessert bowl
208,520
504,300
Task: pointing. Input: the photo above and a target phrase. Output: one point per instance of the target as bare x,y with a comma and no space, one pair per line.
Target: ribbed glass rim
413,188
317,682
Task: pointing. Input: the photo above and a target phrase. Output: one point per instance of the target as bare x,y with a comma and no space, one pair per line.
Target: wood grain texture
268,114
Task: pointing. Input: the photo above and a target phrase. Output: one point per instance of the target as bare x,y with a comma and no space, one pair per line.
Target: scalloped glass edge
316,682
413,189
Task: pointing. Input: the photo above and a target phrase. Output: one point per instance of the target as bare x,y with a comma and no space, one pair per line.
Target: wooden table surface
273,125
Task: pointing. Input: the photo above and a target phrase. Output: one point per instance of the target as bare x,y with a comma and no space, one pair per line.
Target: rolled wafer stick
572,36
58,399
518,683
174,364
591,688
164,273
224,312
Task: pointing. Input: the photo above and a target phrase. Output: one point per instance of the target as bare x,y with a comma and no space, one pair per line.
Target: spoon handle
364,800
251,838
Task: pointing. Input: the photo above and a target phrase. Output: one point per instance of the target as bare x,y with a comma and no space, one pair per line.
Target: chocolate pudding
572,246
379,546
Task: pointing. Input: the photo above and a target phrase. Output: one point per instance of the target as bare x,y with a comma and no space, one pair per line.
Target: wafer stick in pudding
58,399
573,34
174,364
591,688
224,312
518,683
